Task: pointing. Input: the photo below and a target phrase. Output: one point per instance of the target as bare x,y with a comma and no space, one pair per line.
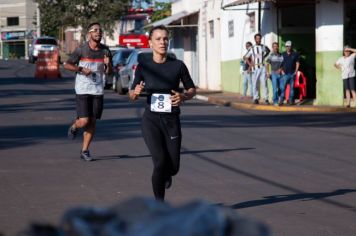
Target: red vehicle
132,33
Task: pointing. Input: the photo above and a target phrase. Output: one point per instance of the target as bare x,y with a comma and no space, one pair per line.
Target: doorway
297,24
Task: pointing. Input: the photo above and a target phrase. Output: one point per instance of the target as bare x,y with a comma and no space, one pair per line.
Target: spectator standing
290,67
257,55
346,64
274,71
246,73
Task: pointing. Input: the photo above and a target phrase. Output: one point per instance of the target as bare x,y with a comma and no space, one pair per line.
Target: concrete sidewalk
237,101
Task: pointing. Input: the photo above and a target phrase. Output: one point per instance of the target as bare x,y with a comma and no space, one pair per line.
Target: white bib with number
96,77
161,102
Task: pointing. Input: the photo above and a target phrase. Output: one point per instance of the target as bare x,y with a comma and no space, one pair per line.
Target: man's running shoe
85,155
72,132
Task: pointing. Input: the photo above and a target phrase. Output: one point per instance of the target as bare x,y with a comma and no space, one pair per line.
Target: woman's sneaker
85,155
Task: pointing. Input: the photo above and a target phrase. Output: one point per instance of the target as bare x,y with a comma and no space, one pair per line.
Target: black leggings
163,137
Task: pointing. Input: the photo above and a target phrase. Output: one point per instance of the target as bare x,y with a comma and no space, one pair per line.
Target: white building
16,27
195,31
210,45
318,30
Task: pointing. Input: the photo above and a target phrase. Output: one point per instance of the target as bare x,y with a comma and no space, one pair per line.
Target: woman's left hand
177,98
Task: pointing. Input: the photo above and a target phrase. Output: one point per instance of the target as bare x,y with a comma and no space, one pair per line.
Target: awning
242,2
173,20
233,3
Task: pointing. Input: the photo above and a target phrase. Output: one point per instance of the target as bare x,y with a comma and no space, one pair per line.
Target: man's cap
288,43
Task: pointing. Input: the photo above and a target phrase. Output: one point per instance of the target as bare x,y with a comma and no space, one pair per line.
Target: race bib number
161,102
96,77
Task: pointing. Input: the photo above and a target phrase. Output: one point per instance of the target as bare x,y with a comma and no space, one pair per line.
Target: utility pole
38,20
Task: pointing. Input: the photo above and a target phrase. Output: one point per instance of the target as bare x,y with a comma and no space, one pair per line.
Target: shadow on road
299,196
113,157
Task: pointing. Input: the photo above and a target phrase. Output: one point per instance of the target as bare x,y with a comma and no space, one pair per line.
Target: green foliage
60,13
140,3
162,10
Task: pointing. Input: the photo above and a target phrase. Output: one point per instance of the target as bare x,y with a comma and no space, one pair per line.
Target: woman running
160,78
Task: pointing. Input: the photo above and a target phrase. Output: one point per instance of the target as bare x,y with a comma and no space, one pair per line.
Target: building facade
195,28
318,30
16,27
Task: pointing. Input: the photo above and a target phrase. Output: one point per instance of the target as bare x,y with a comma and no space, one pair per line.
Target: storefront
14,44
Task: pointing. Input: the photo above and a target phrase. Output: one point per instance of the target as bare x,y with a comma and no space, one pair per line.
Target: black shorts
89,105
349,83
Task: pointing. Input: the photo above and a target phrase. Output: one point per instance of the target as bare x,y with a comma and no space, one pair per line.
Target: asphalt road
294,171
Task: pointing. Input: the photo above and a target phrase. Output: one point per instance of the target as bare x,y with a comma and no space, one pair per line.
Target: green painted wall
329,87
231,78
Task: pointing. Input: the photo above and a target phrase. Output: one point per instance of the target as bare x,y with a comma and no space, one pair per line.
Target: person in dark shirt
160,78
290,67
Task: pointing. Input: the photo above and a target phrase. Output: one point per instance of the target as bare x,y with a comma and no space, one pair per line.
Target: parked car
127,73
118,61
41,44
115,49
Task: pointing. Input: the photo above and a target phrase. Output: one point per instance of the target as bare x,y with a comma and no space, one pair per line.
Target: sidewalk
237,101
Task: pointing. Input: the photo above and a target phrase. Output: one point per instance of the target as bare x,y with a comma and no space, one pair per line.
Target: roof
171,19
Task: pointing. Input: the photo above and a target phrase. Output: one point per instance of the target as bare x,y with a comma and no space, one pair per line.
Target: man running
90,61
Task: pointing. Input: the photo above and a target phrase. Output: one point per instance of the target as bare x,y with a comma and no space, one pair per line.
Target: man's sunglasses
95,30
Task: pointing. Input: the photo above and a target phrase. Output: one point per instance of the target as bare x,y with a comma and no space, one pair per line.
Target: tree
61,13
139,3
50,17
162,10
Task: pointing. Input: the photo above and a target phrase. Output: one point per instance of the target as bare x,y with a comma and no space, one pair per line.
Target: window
231,28
11,21
252,21
211,28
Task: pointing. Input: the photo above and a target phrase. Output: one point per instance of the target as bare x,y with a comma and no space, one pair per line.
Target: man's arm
72,63
267,51
268,65
297,64
78,69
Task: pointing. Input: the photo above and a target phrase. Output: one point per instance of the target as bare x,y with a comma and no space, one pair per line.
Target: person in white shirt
246,72
257,53
346,64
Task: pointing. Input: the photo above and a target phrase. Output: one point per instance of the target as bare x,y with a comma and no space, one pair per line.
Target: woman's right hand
139,88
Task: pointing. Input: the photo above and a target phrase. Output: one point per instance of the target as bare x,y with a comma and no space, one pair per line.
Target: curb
260,107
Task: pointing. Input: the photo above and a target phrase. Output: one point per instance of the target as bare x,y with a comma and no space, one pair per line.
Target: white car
41,44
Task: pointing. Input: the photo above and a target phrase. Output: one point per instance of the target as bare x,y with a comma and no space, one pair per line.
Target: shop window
211,28
12,21
231,28
252,21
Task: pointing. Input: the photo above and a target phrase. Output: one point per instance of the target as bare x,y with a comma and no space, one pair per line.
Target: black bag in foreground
148,217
